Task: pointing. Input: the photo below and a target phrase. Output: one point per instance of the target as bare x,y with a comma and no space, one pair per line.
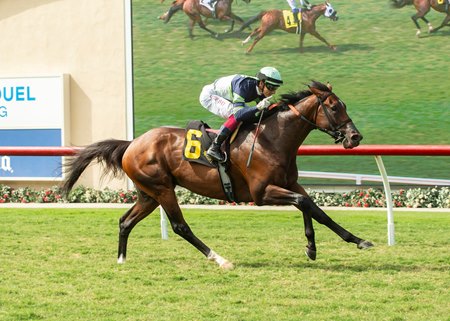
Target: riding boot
214,151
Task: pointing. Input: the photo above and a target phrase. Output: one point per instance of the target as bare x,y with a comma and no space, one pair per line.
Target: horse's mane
292,98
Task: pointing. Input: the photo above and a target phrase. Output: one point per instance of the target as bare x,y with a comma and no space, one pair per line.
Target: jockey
304,4
228,96
209,4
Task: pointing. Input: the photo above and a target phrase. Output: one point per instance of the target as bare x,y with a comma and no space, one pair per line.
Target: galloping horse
273,19
154,163
194,10
423,7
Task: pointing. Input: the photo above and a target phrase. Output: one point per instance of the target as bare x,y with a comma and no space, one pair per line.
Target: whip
254,141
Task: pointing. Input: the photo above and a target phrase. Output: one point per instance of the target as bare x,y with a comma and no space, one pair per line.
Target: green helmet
270,75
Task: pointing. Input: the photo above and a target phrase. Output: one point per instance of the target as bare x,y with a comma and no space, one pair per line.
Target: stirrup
213,157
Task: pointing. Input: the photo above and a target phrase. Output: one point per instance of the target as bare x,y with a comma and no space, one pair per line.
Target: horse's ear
329,86
319,93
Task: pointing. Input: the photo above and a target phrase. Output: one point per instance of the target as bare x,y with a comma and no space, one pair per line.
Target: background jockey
293,4
228,96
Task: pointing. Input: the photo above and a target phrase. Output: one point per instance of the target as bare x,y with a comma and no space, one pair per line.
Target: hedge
435,197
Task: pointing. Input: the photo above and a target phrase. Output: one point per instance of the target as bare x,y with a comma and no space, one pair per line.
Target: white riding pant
216,104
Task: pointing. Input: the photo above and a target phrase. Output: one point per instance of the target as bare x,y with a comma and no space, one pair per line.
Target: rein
334,132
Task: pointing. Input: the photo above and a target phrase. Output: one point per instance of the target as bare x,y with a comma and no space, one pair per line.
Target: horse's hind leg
180,227
260,35
143,207
421,15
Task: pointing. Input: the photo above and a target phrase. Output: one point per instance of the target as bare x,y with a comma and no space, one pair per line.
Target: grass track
59,264
395,85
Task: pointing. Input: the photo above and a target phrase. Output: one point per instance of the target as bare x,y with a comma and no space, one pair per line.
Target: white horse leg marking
246,40
223,263
121,259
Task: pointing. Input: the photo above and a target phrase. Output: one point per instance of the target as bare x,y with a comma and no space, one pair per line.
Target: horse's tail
109,152
252,20
400,3
176,6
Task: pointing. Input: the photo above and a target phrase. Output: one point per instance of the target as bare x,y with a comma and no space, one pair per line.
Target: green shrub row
436,197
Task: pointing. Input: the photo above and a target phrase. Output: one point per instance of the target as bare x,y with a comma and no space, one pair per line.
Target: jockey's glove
263,104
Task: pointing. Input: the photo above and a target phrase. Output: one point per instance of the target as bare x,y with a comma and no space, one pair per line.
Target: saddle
198,138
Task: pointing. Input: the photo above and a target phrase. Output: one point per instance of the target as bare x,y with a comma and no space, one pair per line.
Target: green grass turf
60,264
394,84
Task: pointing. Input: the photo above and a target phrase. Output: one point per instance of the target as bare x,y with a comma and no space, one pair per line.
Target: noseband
334,132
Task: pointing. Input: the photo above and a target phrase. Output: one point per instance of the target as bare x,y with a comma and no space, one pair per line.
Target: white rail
359,178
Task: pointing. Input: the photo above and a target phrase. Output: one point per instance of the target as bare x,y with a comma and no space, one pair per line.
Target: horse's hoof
227,266
334,48
363,245
311,254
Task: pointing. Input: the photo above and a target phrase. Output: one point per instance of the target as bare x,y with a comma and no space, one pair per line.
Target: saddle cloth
198,138
197,141
288,18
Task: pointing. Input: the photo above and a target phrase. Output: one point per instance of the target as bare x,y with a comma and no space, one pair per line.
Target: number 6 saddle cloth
198,138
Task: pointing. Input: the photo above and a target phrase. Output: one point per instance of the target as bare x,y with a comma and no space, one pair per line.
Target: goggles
271,87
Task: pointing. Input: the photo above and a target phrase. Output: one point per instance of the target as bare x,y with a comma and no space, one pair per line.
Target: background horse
154,163
423,7
194,10
273,19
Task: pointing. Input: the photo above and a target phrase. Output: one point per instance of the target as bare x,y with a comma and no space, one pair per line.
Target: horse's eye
333,107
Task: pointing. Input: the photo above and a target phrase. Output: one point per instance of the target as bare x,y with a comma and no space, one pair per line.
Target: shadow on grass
317,49
440,33
339,267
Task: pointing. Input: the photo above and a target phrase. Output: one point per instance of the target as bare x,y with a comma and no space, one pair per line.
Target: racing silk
239,89
229,94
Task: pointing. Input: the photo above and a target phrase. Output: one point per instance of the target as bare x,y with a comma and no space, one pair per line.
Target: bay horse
194,10
273,19
422,8
154,162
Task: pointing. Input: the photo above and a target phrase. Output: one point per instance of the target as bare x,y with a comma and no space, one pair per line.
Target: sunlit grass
61,265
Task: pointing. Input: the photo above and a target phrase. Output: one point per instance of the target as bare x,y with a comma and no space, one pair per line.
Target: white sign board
33,112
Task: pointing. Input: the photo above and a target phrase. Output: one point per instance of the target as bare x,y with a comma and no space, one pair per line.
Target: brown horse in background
155,164
194,10
423,7
273,19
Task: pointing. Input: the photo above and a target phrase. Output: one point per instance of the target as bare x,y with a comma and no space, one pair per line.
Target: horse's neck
287,130
319,11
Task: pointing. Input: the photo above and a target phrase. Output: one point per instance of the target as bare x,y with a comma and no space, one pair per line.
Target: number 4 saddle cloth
289,20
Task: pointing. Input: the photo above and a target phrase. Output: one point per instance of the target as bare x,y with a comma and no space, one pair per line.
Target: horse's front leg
318,36
275,195
320,216
443,24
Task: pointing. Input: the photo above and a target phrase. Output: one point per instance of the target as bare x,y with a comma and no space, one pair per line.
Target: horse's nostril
356,137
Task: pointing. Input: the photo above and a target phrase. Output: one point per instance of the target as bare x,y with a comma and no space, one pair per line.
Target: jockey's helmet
270,75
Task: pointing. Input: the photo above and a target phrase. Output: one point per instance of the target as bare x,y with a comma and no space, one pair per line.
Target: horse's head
332,116
330,12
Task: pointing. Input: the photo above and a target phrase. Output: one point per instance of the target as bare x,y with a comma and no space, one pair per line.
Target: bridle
334,132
